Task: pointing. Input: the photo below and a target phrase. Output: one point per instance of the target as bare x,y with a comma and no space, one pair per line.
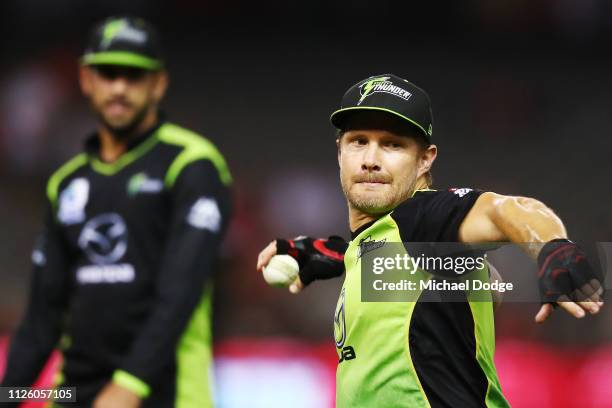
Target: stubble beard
378,204
123,131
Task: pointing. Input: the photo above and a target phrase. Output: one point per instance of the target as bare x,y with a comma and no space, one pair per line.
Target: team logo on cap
381,84
121,30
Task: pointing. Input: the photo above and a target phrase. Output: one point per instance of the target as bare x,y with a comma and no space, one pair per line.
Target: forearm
494,276
523,219
520,220
527,221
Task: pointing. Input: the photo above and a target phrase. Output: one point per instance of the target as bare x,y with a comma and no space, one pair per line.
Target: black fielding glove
318,258
563,269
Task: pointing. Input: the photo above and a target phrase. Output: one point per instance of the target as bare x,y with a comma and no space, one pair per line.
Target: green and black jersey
427,353
122,271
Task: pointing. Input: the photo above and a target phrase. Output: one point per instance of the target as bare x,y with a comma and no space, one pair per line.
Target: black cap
127,41
387,93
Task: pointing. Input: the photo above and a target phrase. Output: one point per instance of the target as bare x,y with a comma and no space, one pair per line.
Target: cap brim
123,58
339,117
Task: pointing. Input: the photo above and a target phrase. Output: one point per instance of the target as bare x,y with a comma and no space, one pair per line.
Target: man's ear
85,79
161,85
339,149
428,156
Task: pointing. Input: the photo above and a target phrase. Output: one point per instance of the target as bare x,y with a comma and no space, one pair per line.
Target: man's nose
119,85
371,160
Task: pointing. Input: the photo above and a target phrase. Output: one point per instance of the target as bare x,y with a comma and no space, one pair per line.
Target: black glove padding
563,269
318,258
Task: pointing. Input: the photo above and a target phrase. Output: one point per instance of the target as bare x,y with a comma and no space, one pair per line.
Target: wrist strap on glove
317,258
563,269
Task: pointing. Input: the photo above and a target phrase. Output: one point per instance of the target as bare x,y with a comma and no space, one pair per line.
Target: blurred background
521,98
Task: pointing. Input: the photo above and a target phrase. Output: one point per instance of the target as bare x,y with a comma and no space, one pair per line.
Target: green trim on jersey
58,378
132,383
109,169
195,147
484,333
67,169
65,342
193,353
422,189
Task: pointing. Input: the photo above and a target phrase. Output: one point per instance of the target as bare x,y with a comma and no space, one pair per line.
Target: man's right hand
317,258
264,258
116,396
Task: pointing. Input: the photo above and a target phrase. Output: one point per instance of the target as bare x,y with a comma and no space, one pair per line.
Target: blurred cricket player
423,353
122,273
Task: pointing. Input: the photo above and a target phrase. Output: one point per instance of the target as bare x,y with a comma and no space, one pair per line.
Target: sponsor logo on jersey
460,191
104,239
345,352
121,273
382,84
141,183
205,214
72,202
339,323
368,245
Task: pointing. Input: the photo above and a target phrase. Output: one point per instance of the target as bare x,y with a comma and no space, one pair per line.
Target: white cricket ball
281,271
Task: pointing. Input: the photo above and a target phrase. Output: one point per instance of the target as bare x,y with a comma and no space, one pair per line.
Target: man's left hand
567,280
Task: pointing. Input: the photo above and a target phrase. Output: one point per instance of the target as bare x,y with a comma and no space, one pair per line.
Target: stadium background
520,92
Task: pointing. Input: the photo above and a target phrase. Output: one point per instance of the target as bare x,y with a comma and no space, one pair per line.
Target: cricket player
431,352
122,273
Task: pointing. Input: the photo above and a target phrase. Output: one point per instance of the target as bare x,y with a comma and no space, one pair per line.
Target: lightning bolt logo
111,29
367,87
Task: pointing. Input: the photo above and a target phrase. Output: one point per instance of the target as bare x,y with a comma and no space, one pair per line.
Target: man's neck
113,146
358,218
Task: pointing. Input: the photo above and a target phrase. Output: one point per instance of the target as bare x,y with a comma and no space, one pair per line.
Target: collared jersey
419,353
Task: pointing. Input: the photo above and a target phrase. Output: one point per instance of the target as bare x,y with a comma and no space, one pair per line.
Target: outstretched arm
565,276
496,217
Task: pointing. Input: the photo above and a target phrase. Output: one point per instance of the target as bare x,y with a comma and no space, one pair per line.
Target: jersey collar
359,230
92,143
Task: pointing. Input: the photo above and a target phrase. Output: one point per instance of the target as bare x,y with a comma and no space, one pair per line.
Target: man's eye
107,72
360,142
